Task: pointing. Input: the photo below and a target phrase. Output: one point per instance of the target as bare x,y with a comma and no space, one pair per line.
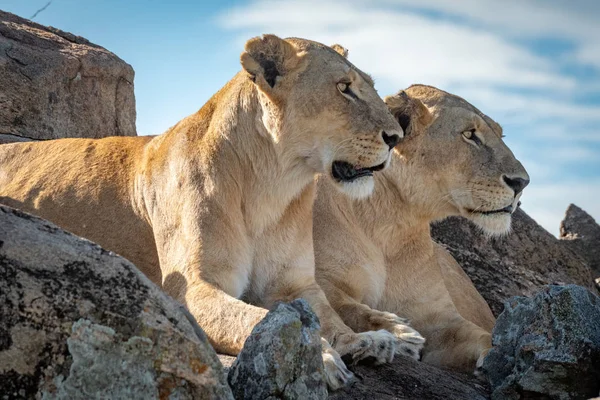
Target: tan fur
376,255
218,209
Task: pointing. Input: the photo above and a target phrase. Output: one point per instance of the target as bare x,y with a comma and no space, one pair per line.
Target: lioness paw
378,345
409,342
337,374
479,372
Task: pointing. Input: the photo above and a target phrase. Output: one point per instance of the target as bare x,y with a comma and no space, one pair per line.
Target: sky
531,65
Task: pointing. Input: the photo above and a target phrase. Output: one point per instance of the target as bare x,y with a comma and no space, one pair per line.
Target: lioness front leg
362,318
454,341
205,264
379,345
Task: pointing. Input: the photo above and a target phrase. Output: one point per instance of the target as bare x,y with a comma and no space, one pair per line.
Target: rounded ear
341,50
412,115
268,57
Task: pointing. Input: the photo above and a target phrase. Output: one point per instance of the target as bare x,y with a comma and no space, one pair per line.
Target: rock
547,346
514,265
582,234
7,138
55,84
79,322
406,378
282,357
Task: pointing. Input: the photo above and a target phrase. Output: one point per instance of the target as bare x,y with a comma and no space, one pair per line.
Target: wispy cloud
403,45
532,65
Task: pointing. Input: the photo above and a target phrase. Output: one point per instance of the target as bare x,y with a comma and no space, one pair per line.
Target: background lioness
219,207
376,257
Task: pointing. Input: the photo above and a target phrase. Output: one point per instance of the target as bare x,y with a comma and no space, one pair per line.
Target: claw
337,374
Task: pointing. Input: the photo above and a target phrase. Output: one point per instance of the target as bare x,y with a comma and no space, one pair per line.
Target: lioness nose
516,184
390,140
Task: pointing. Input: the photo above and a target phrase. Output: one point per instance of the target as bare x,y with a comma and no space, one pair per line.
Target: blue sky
533,66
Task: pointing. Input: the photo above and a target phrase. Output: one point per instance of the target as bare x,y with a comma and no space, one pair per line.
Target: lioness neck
398,214
228,147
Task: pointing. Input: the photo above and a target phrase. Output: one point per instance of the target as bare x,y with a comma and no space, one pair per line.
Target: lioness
219,207
375,256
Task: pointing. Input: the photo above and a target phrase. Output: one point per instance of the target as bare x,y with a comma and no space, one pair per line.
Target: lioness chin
375,257
219,208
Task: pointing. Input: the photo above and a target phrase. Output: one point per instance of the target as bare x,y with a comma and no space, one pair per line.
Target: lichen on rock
79,322
282,357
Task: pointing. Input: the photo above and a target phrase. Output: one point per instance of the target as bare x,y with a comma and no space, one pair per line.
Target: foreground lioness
219,207
375,256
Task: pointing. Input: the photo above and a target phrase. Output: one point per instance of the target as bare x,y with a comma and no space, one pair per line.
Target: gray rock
55,84
581,232
405,378
409,379
79,322
282,357
8,138
514,265
547,346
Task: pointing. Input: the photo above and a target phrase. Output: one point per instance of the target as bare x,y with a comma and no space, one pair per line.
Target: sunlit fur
218,208
376,255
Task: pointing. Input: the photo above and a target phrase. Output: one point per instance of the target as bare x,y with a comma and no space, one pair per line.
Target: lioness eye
343,87
471,136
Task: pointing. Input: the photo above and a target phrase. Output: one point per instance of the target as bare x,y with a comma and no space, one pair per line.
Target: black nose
390,140
516,184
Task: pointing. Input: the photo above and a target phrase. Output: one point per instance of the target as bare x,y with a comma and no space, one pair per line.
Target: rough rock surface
282,357
547,346
513,265
79,322
55,84
408,379
581,232
405,378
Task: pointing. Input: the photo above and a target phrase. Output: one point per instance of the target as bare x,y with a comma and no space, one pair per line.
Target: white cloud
518,18
401,47
558,133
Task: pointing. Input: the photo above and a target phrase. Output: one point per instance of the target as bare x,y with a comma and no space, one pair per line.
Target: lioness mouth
345,172
508,209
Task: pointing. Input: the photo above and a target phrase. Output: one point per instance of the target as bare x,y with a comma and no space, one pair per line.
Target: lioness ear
412,115
340,50
267,58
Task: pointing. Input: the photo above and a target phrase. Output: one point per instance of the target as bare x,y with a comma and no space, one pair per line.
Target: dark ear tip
404,121
400,93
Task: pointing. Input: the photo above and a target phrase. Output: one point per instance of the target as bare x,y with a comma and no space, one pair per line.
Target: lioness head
457,153
322,110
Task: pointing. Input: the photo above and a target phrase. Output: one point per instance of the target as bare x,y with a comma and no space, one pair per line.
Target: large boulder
79,322
581,233
513,265
282,357
547,346
55,84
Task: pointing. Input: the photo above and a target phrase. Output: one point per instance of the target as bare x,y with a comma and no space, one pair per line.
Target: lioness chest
284,249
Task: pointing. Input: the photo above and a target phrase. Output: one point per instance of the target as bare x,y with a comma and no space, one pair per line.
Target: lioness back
90,179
